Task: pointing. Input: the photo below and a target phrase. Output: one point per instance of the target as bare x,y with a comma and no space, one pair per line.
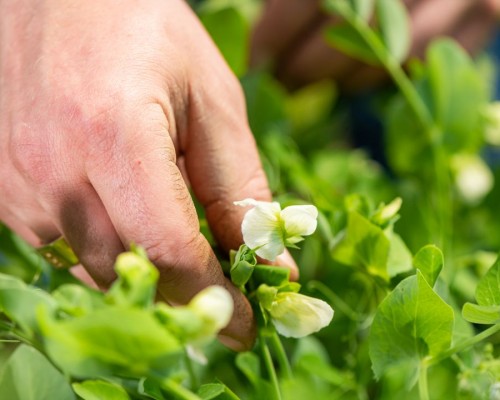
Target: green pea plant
406,253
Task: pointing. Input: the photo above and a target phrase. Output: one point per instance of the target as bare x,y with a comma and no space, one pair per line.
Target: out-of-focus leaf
110,341
77,300
219,391
20,302
249,364
100,390
458,95
393,23
363,8
410,324
481,314
28,375
17,258
348,40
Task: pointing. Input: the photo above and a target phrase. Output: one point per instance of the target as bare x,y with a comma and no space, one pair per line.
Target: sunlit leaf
394,27
100,390
410,324
429,260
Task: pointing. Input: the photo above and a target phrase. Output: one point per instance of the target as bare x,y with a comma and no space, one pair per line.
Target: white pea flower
296,315
473,178
267,229
214,305
201,319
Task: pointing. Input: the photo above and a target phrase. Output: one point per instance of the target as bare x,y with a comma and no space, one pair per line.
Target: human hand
107,109
289,36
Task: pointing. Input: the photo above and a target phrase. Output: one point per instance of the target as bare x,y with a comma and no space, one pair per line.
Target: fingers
148,203
85,224
219,151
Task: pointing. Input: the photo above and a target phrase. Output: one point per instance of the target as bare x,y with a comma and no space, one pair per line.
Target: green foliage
429,261
396,302
98,390
28,375
413,322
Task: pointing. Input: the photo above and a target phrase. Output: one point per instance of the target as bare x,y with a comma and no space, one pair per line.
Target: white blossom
214,305
296,315
267,229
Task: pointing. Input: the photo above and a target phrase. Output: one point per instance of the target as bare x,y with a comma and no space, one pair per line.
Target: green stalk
406,87
423,387
193,379
268,362
465,344
285,368
178,391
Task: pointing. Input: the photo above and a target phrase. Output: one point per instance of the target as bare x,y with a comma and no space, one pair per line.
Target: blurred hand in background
289,38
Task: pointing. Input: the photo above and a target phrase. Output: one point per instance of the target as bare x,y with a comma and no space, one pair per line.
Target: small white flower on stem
296,315
214,305
267,229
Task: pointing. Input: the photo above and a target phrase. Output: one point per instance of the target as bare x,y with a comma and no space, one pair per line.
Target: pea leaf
458,94
20,302
481,314
249,364
429,260
410,324
488,288
363,8
77,300
400,258
363,245
394,27
219,391
99,390
28,375
111,341
347,39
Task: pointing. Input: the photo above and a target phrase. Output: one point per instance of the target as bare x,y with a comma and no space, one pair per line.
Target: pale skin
289,37
109,111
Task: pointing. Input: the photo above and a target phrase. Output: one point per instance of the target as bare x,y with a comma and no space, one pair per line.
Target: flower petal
262,230
299,220
296,315
215,306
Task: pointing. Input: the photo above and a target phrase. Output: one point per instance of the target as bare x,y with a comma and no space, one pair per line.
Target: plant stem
193,379
423,388
268,362
462,345
178,391
285,368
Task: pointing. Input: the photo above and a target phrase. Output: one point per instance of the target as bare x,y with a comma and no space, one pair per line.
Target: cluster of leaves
113,345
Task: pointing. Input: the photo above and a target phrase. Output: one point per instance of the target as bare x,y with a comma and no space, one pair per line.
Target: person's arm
105,107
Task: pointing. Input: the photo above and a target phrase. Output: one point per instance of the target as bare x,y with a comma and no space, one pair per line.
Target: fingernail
233,343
